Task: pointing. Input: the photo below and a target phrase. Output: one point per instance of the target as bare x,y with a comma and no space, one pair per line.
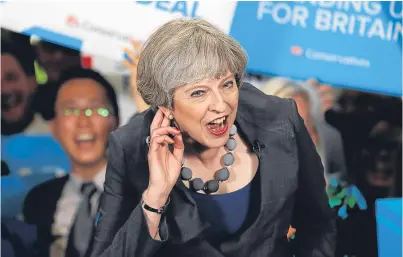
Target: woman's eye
197,93
228,84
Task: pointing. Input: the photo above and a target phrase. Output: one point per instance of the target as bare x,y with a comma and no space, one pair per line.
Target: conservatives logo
297,50
321,56
73,21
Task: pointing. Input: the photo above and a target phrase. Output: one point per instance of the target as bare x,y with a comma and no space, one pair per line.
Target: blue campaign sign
344,43
33,154
31,159
389,227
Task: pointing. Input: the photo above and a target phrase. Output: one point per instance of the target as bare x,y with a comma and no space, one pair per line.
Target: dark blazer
18,239
40,207
292,192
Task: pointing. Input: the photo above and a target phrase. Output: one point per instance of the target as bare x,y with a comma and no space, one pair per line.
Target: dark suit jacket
292,192
40,207
19,239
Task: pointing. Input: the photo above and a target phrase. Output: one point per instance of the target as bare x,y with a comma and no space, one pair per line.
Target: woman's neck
208,157
211,157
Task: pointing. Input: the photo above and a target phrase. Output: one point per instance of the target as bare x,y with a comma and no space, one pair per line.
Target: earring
171,117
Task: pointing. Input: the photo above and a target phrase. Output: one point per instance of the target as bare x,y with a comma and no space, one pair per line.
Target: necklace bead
197,184
229,159
233,130
186,173
221,175
231,144
211,186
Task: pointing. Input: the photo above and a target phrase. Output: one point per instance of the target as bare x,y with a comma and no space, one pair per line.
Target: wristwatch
151,209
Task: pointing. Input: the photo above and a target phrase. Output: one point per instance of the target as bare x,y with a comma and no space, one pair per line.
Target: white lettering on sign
186,9
363,19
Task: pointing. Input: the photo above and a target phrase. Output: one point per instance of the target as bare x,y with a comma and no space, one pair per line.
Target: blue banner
31,160
348,44
389,226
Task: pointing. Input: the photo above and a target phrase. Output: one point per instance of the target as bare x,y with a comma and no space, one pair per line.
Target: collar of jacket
252,122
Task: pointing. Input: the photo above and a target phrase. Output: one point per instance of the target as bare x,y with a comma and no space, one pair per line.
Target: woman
326,138
162,196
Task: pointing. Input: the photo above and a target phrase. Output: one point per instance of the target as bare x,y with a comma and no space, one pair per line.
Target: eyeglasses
89,112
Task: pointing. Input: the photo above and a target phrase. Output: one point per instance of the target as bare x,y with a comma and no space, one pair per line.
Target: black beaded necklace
221,175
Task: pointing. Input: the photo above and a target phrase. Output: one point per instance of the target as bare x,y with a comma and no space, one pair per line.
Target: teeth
218,121
85,137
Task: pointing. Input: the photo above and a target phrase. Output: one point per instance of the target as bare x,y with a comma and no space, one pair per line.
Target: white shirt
37,126
67,207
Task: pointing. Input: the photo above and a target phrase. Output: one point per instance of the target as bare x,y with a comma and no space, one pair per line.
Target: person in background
54,59
63,209
328,95
379,159
18,90
356,116
19,239
131,64
327,139
380,164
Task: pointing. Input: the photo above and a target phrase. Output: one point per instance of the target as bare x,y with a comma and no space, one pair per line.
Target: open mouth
10,100
218,126
85,139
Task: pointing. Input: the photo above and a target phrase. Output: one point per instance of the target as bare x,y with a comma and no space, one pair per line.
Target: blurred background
340,61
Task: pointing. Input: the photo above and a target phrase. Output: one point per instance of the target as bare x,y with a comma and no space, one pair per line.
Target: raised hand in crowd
131,64
326,93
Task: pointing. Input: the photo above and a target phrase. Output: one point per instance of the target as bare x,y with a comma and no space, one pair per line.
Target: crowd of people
45,90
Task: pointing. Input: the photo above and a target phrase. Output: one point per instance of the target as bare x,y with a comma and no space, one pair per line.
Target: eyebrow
202,85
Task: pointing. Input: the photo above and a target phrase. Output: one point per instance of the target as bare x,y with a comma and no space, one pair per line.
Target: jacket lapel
276,170
252,134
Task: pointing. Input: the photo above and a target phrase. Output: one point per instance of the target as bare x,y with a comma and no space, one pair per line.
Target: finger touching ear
167,112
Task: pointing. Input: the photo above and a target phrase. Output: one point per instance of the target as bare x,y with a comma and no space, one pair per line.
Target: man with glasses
64,209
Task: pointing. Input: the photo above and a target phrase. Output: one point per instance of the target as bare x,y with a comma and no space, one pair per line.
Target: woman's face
207,110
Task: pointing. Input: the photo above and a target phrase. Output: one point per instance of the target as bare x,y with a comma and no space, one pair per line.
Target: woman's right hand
164,165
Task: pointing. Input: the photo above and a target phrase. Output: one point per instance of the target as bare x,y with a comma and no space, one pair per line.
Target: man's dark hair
83,73
23,53
50,47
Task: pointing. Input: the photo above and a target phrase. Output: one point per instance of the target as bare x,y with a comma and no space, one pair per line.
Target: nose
217,102
83,120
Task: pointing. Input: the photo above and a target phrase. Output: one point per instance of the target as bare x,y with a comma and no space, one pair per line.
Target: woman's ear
167,112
